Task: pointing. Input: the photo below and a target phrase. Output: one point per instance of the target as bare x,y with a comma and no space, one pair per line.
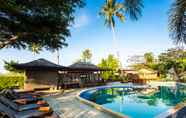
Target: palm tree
149,58
113,8
177,21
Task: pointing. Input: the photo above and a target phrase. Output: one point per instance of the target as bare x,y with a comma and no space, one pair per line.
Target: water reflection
168,95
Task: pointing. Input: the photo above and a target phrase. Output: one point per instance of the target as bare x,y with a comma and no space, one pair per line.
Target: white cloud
81,20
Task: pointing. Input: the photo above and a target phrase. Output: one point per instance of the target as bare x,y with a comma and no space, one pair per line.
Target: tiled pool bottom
67,106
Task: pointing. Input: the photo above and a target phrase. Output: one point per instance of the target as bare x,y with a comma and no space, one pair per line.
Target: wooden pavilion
82,74
42,73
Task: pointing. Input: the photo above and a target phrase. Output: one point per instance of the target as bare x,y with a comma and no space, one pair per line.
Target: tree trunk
56,56
115,44
115,41
8,41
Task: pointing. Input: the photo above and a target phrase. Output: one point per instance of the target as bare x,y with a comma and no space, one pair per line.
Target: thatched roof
146,71
85,67
38,65
42,64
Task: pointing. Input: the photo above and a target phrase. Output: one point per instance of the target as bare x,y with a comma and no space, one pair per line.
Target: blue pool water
137,102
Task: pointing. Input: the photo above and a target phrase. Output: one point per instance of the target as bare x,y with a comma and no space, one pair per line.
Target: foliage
116,9
149,57
86,55
177,21
172,59
9,66
36,24
113,8
110,10
111,63
143,61
11,80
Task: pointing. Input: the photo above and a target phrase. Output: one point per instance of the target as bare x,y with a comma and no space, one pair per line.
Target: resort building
42,73
141,76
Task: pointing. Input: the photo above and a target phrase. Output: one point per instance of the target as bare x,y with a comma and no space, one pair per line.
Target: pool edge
172,111
165,114
99,107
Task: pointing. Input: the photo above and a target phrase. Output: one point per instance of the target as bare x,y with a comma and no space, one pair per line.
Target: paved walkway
68,106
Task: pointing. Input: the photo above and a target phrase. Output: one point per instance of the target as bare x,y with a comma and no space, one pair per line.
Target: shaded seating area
41,74
27,105
81,74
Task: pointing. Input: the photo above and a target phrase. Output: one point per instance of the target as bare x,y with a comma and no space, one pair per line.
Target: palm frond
120,16
110,10
134,8
119,8
177,22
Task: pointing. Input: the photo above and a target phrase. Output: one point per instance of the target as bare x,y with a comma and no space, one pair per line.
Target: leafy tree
174,58
145,61
35,25
177,21
149,58
9,66
112,9
86,55
110,62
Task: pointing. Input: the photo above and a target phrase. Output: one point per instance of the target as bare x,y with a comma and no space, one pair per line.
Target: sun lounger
24,114
18,98
26,101
11,94
17,107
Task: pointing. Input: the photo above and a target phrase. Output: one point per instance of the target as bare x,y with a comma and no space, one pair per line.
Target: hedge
11,81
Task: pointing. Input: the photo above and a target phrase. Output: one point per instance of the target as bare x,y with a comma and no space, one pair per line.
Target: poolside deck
68,106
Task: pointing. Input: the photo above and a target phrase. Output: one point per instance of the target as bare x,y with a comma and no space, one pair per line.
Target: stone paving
68,106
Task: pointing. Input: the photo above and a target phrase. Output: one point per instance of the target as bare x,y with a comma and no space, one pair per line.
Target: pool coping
100,107
172,111
165,114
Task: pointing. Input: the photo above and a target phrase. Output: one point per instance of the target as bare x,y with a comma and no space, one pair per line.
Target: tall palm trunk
115,41
57,56
115,44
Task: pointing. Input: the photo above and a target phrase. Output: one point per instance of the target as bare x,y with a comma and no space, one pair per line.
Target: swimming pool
136,102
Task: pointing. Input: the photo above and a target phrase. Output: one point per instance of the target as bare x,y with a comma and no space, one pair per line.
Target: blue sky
148,34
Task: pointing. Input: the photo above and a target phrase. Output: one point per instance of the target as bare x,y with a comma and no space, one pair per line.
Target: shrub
11,80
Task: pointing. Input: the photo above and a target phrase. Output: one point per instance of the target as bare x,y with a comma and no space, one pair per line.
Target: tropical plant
177,21
149,58
86,55
9,66
112,9
174,58
112,63
35,25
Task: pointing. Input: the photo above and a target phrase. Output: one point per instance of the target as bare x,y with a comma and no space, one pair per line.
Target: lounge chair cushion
27,100
17,107
24,114
29,114
11,94
8,102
